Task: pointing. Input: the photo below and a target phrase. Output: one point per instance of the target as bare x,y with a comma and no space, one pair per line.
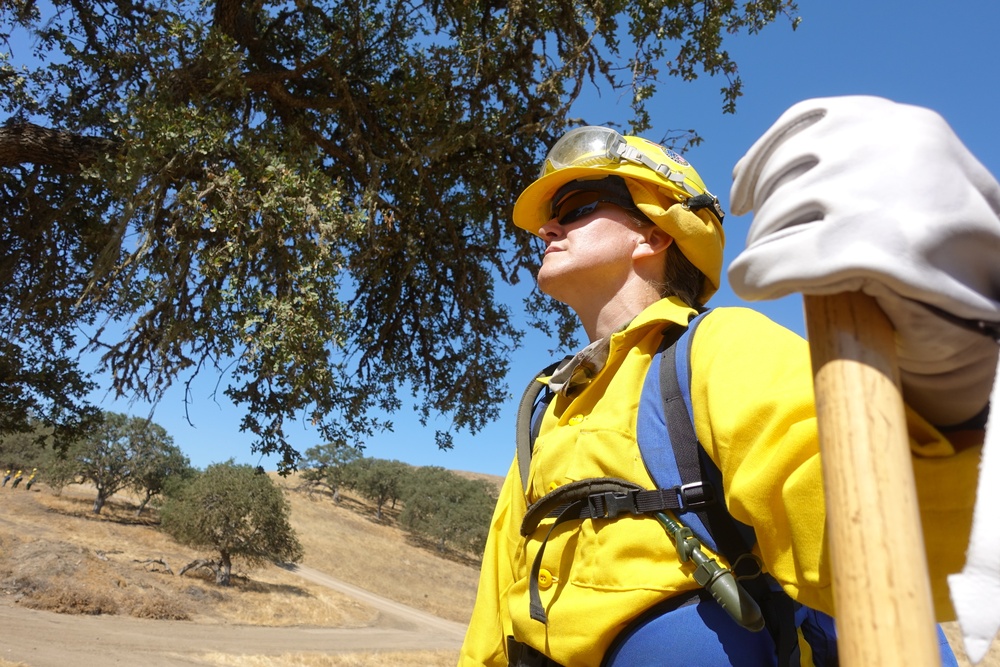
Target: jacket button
545,579
576,419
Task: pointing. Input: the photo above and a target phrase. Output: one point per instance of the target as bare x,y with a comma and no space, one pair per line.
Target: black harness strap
689,457
555,503
525,430
522,655
535,607
608,497
567,502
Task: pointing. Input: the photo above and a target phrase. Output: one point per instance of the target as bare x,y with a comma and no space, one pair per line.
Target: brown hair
681,278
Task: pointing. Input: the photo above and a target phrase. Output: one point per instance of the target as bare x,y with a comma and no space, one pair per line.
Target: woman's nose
551,229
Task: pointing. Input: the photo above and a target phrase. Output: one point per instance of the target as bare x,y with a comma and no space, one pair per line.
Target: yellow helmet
663,185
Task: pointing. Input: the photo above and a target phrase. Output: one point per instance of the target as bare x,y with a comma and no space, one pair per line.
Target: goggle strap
634,155
626,152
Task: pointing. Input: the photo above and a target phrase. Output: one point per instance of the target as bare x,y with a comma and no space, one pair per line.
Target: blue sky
943,57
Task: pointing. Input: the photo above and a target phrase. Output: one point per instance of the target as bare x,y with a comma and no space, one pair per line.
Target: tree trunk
143,504
99,502
224,573
201,562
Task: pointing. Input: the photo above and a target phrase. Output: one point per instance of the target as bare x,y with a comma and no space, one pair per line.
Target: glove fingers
743,196
804,258
850,133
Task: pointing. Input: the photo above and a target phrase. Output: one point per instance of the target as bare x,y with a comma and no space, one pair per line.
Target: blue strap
670,366
675,452
664,438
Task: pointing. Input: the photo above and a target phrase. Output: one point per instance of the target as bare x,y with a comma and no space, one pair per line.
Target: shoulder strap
525,414
679,418
696,469
731,537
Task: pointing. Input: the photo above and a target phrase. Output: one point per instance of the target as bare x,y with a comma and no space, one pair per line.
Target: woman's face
588,256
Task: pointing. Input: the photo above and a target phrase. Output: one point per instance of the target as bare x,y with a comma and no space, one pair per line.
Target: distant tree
448,508
22,449
103,456
379,480
235,511
118,452
327,466
156,461
58,469
314,194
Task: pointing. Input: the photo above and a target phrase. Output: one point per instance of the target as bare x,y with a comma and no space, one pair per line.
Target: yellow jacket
754,414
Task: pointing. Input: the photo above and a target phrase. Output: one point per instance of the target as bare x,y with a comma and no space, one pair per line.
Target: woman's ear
656,242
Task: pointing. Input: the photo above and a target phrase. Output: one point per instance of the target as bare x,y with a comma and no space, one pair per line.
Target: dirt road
45,639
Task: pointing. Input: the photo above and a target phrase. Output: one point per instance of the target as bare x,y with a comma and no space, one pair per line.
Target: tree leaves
309,199
236,511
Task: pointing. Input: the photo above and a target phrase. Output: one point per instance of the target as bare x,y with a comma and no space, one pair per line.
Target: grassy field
56,555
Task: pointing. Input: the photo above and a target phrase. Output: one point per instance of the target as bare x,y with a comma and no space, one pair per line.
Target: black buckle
705,200
522,655
694,496
613,504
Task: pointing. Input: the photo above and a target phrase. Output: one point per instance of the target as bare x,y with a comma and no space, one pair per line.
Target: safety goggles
595,146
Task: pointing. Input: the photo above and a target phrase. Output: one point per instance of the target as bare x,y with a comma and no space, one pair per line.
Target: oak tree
327,466
236,511
448,508
379,480
120,452
103,456
309,200
156,463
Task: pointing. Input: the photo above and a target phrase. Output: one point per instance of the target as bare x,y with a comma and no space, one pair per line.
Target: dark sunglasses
580,205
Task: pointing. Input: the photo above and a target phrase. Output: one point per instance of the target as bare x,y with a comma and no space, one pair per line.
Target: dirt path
45,639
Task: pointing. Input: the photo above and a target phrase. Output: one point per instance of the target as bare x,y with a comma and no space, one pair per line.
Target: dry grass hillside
56,555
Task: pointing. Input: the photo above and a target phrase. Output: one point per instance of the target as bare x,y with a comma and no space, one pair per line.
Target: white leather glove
861,193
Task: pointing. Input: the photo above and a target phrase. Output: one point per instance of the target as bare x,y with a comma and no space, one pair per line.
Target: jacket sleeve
755,415
486,637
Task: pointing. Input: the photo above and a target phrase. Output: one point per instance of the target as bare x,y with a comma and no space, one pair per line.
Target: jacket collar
581,368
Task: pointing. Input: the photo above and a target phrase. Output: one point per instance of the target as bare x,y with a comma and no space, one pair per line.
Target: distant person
17,479
31,479
6,477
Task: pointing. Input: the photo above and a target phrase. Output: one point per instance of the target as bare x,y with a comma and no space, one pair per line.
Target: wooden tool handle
881,589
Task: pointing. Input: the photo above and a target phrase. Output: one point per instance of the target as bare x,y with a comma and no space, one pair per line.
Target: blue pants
699,633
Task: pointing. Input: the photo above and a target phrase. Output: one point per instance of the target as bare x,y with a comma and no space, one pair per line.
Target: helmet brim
534,207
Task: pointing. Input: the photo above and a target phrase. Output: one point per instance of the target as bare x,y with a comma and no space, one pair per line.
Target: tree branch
22,143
